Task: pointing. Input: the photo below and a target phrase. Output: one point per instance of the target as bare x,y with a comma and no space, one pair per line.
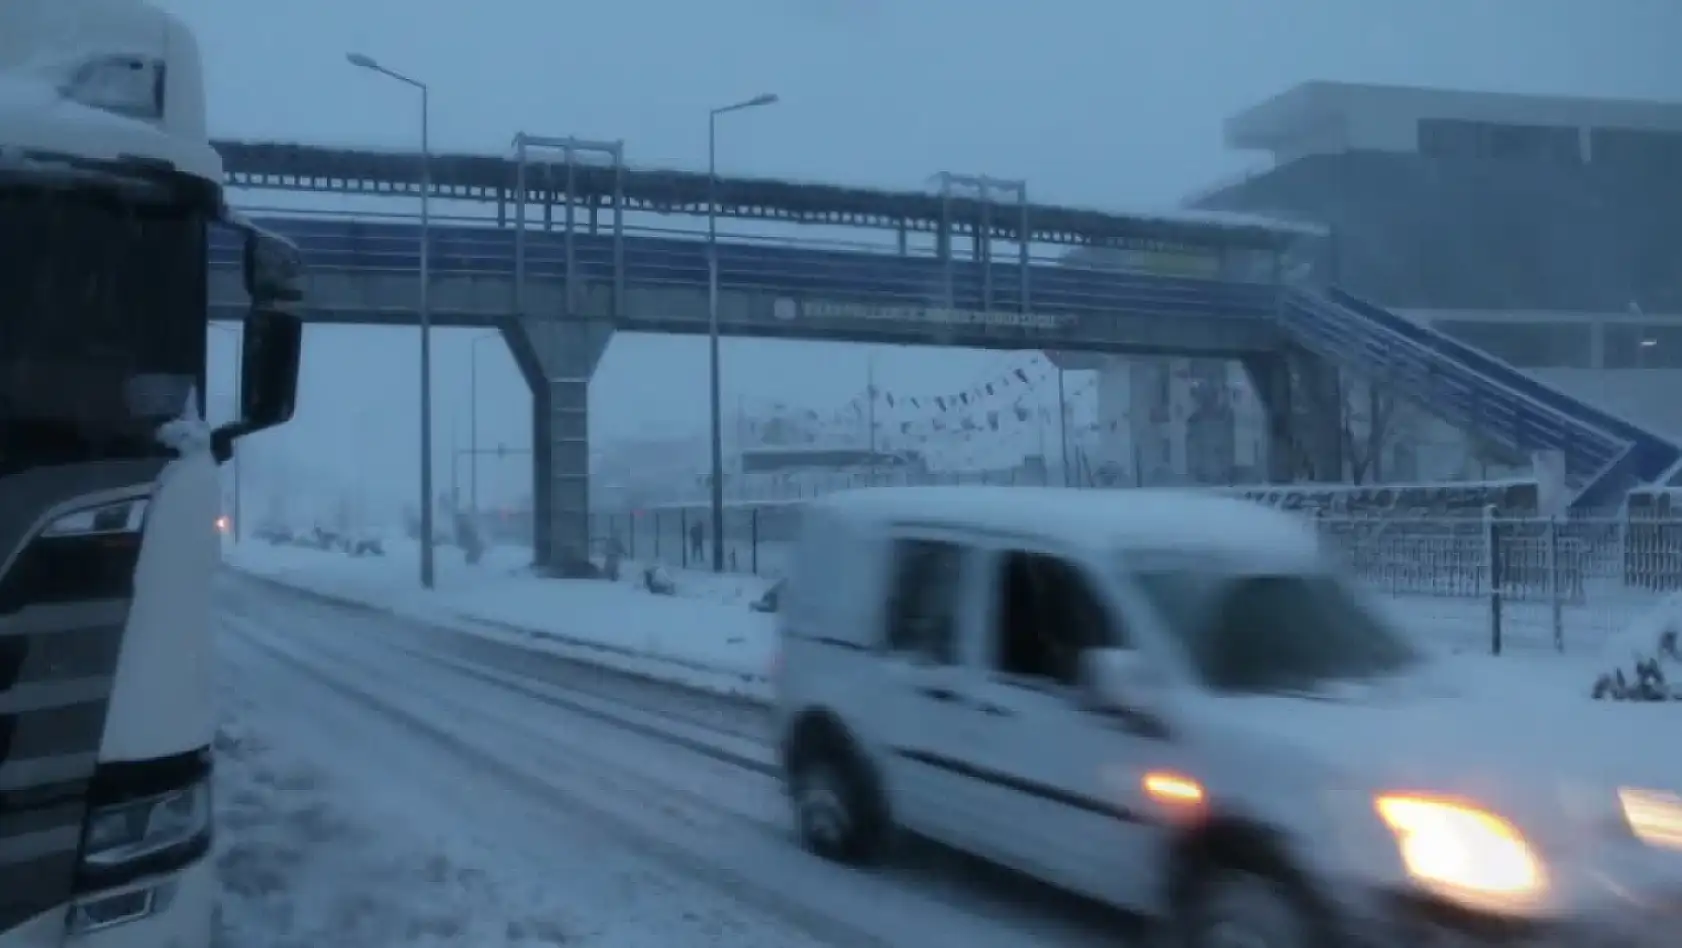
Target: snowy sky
1113,103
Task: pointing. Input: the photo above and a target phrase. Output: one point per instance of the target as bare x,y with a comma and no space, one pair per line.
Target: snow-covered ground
704,636
376,792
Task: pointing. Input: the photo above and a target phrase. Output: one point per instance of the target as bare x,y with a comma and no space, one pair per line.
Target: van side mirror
1120,682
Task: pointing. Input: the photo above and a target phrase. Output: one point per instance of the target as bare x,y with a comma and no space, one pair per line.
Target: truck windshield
102,321
1275,633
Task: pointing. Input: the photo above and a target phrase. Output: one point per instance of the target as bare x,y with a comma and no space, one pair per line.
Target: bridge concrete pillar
1118,461
1301,398
558,357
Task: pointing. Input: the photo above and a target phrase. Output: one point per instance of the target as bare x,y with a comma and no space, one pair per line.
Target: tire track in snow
739,716
519,768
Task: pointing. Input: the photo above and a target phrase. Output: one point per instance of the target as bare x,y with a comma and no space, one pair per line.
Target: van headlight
155,834
1464,853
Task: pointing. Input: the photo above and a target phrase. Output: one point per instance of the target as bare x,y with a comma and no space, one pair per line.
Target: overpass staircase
1605,456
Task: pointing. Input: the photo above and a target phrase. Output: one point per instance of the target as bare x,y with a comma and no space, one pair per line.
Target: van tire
1233,907
840,812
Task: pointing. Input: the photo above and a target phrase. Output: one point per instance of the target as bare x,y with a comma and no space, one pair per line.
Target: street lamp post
712,320
473,419
364,62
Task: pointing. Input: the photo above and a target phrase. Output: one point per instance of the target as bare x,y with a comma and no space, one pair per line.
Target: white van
1172,703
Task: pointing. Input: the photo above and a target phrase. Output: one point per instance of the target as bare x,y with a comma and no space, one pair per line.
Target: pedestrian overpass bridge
558,295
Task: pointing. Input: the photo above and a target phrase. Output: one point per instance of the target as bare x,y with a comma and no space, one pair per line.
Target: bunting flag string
1002,412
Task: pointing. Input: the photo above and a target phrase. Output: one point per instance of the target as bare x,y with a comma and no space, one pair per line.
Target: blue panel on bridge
850,276
1605,455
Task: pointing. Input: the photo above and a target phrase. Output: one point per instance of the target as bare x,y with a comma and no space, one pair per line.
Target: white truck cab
110,192
1174,703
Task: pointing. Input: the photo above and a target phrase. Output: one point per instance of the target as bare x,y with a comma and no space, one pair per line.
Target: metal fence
756,539
1497,583
1487,583
812,484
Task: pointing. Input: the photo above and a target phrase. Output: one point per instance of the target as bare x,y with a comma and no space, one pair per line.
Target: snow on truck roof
35,116
1165,518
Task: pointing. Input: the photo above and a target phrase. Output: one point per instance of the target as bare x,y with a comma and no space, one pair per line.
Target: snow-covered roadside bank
701,643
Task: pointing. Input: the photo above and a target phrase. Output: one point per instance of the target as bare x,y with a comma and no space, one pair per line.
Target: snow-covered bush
657,581
1649,654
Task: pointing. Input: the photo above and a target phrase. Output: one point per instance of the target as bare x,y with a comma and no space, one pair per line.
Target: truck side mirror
269,362
273,269
273,340
268,395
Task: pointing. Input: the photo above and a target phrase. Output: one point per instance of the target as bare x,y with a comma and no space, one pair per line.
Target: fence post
683,537
1556,604
1492,563
753,542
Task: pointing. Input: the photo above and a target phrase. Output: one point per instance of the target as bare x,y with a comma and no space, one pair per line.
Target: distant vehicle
1172,703
110,193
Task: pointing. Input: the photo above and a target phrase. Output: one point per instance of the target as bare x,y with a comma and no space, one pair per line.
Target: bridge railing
800,272
489,224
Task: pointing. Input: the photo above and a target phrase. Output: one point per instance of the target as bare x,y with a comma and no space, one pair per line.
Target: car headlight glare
1654,816
1463,852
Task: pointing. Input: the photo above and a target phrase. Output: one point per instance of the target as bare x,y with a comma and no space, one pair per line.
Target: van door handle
938,693
997,711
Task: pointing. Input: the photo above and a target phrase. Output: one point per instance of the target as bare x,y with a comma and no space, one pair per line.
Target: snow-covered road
383,783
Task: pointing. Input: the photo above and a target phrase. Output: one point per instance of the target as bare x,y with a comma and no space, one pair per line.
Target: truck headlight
154,834
1464,853
118,517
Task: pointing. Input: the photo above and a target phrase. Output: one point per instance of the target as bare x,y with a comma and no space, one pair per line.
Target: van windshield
1258,633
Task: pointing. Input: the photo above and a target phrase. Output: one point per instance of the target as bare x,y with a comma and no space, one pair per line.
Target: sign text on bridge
790,310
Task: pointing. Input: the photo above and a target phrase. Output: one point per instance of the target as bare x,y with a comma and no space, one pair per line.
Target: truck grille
64,601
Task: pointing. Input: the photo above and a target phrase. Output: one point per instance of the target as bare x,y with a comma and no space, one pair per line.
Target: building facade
1546,231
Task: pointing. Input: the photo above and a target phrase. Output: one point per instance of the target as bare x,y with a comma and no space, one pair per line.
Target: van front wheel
838,808
1246,910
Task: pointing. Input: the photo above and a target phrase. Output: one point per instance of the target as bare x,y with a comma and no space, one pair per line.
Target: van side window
1048,613
923,601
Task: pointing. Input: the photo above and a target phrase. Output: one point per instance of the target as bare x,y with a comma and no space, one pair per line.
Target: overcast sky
1111,103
